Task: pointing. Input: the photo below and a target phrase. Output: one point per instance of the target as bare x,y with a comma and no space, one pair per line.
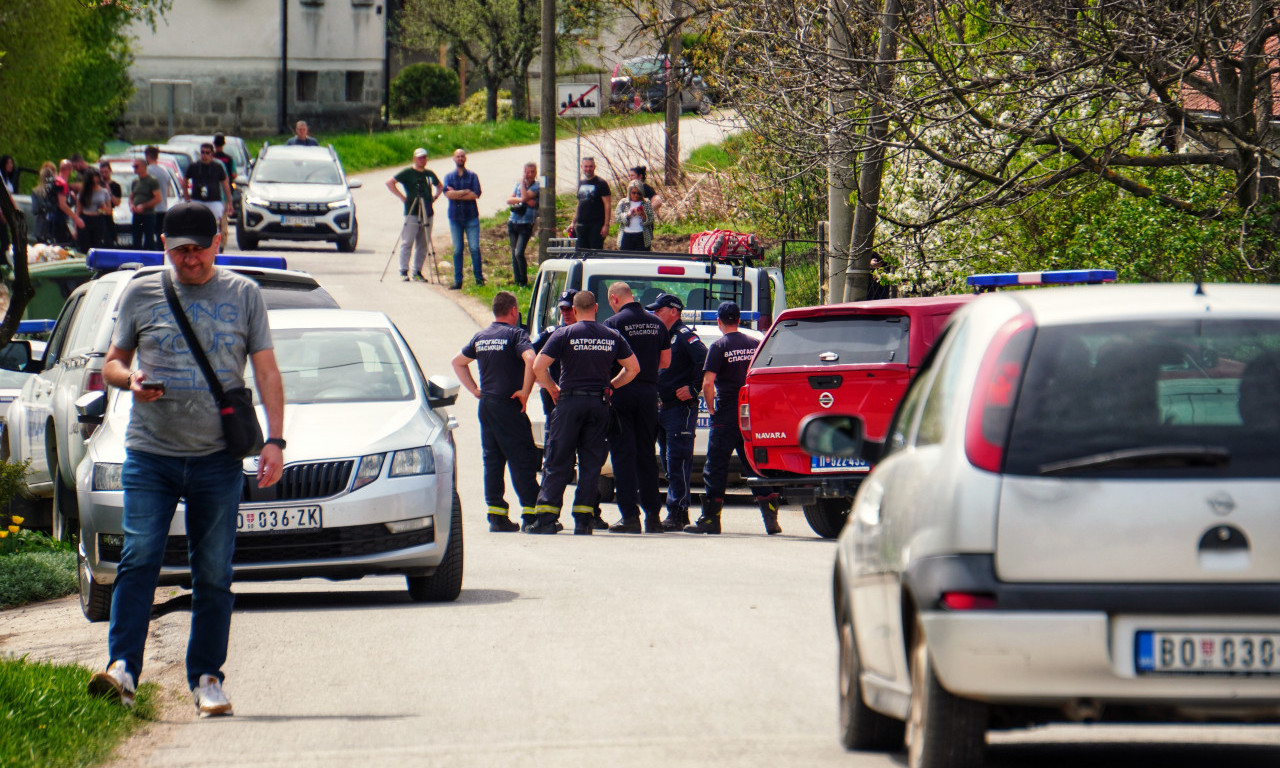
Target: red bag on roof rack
723,243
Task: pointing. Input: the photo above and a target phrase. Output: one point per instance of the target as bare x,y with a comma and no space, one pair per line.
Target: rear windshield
853,340
1174,398
694,292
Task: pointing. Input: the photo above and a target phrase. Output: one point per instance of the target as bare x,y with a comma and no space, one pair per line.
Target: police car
701,282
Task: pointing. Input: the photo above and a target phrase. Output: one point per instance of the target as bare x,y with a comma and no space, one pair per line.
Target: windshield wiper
1151,456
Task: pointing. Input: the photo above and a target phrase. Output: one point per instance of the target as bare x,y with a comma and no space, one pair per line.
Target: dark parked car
641,84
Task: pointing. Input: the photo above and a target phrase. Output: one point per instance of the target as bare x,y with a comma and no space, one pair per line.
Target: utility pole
840,160
675,81
547,131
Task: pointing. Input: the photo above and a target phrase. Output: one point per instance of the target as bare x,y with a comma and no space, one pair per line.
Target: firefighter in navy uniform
586,352
679,385
505,359
724,373
635,407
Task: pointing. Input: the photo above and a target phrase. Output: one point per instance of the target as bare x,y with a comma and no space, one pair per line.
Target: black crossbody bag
240,427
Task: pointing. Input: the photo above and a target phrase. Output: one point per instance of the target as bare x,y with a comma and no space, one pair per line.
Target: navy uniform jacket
688,355
586,351
497,351
647,336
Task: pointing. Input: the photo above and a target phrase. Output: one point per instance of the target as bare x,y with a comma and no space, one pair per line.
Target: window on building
304,85
355,86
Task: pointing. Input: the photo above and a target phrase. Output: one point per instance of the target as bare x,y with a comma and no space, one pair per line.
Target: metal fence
805,266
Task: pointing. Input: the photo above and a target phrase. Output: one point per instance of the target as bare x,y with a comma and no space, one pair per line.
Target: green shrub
472,110
26,577
423,86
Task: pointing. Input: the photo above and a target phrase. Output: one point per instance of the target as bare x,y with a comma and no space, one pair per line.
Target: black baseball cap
664,301
189,224
728,312
566,299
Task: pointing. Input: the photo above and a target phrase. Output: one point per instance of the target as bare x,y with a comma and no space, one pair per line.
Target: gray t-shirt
163,176
229,318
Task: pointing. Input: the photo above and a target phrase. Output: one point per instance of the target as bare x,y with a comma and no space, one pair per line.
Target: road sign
577,99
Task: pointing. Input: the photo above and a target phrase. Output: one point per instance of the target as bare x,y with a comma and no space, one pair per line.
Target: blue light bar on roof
109,260
1058,277
36,326
709,316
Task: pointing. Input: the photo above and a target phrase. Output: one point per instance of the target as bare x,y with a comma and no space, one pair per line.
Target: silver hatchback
1074,518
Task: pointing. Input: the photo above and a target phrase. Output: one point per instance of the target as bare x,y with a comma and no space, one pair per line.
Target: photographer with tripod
418,199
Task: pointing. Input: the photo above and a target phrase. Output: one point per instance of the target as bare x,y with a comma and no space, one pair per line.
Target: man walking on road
144,198
591,219
175,449
524,215
635,408
679,385
506,378
725,372
586,351
207,184
419,212
462,187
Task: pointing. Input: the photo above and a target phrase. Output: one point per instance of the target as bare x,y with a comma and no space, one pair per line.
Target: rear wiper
1151,456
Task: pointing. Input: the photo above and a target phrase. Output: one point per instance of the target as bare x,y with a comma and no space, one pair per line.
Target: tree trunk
840,165
520,92
675,79
13,230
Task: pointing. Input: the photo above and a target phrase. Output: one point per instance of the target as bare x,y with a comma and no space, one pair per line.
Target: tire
246,241
861,727
66,510
704,105
827,516
944,731
445,584
607,490
348,244
95,598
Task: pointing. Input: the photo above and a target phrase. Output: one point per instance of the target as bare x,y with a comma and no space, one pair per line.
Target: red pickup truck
857,358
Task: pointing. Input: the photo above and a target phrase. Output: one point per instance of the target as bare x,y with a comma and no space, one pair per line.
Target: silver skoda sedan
368,485
1075,517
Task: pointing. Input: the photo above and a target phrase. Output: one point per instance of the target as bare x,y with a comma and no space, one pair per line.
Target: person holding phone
636,217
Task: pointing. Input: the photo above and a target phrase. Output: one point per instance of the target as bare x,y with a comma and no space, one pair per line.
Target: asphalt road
670,650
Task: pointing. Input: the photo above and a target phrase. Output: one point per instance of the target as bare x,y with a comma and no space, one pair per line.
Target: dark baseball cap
189,224
566,299
665,301
728,312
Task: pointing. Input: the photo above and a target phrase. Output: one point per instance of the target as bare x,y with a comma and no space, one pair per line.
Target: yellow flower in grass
14,529
4,534
16,520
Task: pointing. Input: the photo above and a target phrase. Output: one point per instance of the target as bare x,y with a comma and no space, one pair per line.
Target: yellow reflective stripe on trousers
580,510
546,509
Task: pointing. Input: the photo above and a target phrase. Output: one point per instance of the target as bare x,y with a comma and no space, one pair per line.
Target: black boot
527,520
626,525
597,521
709,522
769,512
676,520
582,524
501,524
653,523
548,523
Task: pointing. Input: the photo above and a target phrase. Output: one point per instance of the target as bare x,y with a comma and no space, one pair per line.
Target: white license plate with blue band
1198,653
278,519
832,464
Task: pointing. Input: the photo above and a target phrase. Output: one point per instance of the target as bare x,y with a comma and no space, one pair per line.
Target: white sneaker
210,700
115,683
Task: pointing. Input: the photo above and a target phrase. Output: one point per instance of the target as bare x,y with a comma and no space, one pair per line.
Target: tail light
744,417
996,394
96,383
968,601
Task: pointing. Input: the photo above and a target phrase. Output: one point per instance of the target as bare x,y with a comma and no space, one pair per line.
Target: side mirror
241,180
16,356
91,407
442,391
354,183
832,435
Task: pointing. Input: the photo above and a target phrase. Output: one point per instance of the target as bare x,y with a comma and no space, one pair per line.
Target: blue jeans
211,486
472,230
676,426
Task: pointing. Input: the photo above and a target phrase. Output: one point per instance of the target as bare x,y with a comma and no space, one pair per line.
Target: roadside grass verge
26,577
51,720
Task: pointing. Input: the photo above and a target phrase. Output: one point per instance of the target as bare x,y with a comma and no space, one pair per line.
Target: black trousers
506,439
726,439
632,437
518,235
589,237
578,430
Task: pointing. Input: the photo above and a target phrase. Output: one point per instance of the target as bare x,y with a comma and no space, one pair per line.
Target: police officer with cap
679,385
635,409
586,352
505,359
724,373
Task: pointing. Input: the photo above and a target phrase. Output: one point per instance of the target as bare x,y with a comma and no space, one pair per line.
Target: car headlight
106,477
257,202
369,469
345,203
415,461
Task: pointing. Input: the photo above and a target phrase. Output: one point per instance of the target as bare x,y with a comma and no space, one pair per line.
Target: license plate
279,519
1230,653
298,221
704,422
833,464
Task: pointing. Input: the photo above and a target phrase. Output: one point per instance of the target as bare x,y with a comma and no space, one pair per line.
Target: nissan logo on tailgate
826,399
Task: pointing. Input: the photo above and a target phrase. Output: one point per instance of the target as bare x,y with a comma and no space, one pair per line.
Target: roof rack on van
990,282
109,260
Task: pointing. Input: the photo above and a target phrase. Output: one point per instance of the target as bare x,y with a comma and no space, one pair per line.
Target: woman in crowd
635,220
9,174
94,206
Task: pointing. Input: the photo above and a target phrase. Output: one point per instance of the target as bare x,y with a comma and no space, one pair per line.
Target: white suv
298,193
1075,518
